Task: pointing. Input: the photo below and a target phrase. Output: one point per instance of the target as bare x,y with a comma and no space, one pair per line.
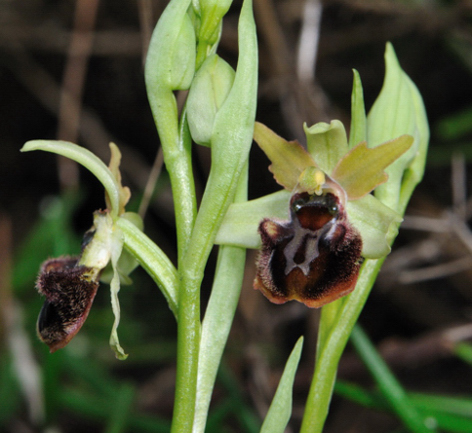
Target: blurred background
74,71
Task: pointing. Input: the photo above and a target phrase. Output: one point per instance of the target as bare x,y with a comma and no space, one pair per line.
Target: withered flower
70,284
315,256
69,290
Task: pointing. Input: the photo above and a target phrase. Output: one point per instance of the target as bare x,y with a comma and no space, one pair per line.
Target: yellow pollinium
312,180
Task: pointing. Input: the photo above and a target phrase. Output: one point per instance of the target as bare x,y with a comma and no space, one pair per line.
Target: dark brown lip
313,258
69,293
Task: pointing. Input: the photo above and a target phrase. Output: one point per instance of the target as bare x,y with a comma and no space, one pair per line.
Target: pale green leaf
280,409
327,143
288,158
362,169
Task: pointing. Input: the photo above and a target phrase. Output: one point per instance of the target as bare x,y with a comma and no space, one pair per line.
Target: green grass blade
119,418
388,384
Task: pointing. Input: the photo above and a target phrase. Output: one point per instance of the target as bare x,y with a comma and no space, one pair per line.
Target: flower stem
336,339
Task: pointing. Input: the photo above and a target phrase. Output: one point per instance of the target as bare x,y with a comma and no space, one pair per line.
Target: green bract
280,409
398,110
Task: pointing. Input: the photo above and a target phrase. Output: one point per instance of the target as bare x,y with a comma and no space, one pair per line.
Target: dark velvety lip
314,258
69,293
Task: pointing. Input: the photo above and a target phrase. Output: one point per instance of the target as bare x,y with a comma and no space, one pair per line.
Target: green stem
322,384
218,195
202,53
176,147
328,315
230,144
188,341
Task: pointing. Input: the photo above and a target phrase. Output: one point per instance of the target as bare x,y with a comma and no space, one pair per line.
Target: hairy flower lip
314,257
69,291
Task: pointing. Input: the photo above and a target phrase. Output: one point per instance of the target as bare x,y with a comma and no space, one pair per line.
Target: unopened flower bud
209,90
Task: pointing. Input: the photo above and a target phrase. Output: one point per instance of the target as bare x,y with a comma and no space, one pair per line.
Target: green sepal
376,222
241,222
326,143
152,259
86,158
208,92
362,168
289,158
280,409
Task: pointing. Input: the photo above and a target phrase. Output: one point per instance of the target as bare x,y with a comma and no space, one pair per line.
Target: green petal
241,222
127,262
114,166
85,158
327,143
114,289
97,252
376,224
362,169
288,158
